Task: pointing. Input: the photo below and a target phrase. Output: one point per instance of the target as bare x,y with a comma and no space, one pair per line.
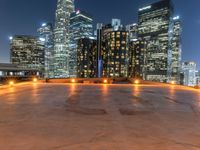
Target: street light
136,81
11,83
73,80
35,79
10,38
173,82
105,81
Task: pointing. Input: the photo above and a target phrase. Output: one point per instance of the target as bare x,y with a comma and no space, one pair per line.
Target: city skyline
99,74
47,14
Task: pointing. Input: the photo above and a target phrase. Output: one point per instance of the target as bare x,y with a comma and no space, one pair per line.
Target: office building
99,63
46,36
12,70
176,50
86,58
133,31
189,73
27,52
154,26
81,26
61,52
115,50
116,24
197,78
137,59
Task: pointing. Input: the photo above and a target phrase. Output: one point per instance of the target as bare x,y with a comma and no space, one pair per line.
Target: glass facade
62,38
137,59
176,50
133,31
27,52
46,35
189,73
86,58
154,26
198,78
115,50
81,26
99,50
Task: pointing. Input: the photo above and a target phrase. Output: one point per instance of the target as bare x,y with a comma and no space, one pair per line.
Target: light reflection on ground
97,117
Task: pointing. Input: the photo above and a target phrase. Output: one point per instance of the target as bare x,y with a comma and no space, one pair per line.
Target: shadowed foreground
99,117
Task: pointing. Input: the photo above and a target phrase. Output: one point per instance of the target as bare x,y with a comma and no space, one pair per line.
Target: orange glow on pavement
105,89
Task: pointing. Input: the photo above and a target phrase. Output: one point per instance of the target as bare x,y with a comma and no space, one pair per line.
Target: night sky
25,16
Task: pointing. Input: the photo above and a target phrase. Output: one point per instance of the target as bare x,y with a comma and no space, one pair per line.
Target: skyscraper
115,50
27,52
81,26
99,62
46,36
86,58
176,49
62,38
137,58
154,26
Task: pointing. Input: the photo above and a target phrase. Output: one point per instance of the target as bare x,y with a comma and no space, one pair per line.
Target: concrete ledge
197,87
133,81
81,80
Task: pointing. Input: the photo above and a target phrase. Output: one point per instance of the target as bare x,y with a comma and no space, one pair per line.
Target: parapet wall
81,80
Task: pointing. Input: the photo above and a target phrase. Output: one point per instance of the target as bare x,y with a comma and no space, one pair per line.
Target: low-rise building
197,78
14,70
189,73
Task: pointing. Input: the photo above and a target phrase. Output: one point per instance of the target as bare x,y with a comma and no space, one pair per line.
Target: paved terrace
39,116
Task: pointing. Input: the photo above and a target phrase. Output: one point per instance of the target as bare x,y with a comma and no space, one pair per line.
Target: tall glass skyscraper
46,36
81,26
176,45
155,26
62,38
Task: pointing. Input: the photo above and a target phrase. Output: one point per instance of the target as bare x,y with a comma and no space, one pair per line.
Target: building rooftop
99,117
12,67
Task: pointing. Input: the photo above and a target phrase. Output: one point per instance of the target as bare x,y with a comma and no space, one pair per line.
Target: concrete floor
99,117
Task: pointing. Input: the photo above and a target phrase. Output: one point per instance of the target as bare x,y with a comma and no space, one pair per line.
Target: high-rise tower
62,38
176,45
81,26
154,26
46,36
114,50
